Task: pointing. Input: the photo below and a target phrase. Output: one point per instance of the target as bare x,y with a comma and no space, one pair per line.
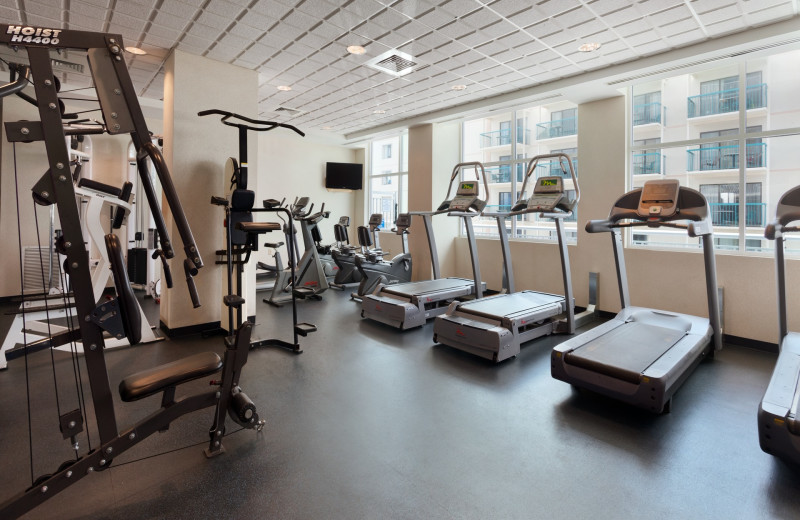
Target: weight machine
121,114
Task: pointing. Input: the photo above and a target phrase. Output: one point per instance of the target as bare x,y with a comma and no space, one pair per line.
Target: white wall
292,166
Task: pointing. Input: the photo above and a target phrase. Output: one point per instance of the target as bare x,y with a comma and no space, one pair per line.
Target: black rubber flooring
373,423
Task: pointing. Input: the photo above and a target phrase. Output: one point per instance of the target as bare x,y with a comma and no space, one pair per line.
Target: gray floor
372,423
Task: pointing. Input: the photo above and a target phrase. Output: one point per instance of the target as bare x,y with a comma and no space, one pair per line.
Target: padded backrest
128,307
340,233
364,240
241,205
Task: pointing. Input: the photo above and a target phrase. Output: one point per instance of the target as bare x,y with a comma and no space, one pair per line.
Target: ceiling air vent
395,63
66,66
287,111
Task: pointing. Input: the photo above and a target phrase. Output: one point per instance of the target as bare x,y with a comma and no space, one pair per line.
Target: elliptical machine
374,270
344,254
308,275
329,267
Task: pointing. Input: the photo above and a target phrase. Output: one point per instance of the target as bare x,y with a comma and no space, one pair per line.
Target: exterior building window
504,143
388,178
731,139
647,108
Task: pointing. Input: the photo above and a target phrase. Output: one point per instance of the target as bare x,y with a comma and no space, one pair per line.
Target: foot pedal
233,300
304,329
303,292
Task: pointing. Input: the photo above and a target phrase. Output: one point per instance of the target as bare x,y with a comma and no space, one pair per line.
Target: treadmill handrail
562,157
479,178
692,207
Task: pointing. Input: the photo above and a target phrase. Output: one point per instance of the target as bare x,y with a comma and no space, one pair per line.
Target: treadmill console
547,193
375,220
659,198
403,221
466,197
344,221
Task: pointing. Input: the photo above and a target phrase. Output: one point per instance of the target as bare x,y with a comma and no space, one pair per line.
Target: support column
195,149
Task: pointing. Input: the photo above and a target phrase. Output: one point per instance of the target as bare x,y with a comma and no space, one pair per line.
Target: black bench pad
154,380
99,186
258,227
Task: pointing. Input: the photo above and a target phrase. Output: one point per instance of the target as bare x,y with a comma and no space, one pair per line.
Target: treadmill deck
410,289
509,305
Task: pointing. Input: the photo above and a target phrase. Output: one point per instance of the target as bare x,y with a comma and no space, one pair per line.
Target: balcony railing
727,213
725,157
557,128
552,168
498,174
646,114
727,101
526,217
644,163
503,137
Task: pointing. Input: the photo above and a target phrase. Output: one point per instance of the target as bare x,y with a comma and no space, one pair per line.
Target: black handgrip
16,85
167,273
190,271
263,125
219,201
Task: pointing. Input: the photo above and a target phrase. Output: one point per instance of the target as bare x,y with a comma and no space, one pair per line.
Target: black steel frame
122,114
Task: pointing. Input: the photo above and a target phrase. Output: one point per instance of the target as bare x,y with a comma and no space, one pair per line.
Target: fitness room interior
320,340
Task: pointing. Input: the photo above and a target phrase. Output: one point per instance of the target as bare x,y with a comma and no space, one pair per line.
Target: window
388,178
706,147
505,148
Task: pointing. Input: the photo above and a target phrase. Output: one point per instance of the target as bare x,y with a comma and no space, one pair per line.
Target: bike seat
273,245
157,379
258,227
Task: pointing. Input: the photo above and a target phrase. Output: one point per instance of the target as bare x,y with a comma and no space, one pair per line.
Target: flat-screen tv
344,176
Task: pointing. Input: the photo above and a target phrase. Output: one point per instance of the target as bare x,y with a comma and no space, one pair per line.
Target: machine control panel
467,197
659,198
344,221
375,220
547,193
403,221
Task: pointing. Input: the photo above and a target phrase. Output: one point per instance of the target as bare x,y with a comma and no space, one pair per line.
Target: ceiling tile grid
491,46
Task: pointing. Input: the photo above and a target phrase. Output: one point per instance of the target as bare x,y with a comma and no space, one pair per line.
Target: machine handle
562,157
479,178
261,125
599,226
16,85
190,271
167,272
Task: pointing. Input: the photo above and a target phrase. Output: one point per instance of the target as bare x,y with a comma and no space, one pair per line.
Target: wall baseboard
755,344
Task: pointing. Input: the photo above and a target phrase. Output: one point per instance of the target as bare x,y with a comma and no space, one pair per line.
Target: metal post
566,274
473,254
711,289
622,274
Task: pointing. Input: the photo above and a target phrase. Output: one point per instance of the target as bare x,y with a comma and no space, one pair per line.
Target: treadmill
778,421
411,304
642,355
496,326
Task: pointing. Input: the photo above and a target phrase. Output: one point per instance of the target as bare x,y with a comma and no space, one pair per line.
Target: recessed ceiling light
379,111
284,88
327,128
458,87
356,49
589,47
135,50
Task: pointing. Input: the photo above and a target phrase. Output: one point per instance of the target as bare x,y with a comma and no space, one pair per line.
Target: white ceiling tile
435,18
460,7
704,6
369,30
185,11
317,8
223,8
389,19
554,7
164,32
300,20
726,27
685,38
133,9
650,7
603,7
646,36
344,19
588,28
625,15
247,32
719,15
770,14
680,26
213,20
128,21
575,17
673,14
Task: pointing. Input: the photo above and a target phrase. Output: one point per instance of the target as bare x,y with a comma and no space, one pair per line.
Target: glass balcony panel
725,157
557,128
646,114
727,214
553,168
503,137
644,163
726,101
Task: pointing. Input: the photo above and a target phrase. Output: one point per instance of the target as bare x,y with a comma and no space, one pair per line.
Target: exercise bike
373,268
305,280
344,254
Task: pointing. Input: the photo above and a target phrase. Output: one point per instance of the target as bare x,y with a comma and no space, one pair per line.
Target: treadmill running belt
626,351
410,289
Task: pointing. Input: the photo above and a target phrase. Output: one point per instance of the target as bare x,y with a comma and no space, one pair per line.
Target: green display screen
467,185
549,182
